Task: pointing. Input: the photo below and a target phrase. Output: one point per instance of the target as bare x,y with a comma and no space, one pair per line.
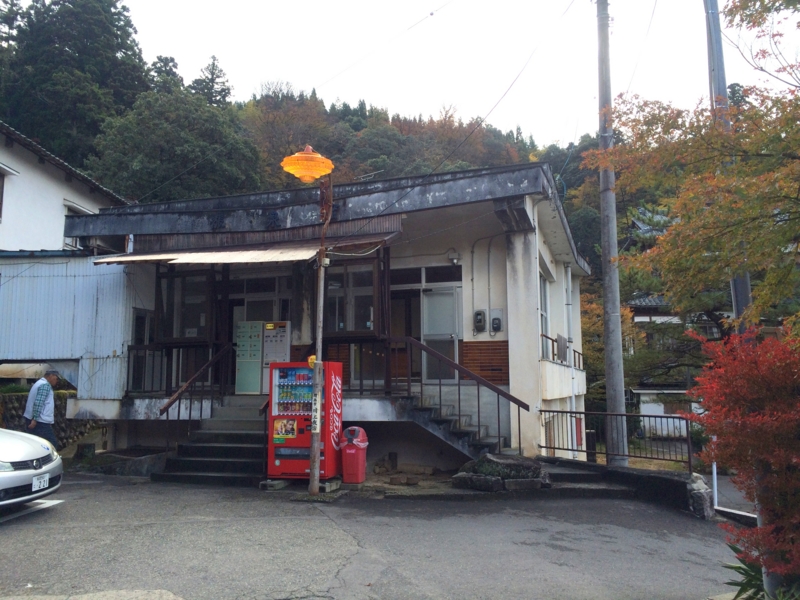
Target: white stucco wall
468,229
35,197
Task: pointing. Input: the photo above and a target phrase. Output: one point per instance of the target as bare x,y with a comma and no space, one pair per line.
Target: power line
225,147
446,158
469,135
641,46
365,56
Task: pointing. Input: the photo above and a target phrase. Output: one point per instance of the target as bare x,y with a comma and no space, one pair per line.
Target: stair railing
463,373
197,385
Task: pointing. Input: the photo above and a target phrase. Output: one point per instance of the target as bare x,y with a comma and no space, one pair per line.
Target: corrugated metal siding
65,309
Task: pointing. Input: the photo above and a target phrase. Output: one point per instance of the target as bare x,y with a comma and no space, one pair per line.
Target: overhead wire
480,122
641,46
478,125
365,56
216,151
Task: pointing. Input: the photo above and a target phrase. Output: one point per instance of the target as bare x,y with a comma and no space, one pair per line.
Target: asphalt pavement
126,538
730,497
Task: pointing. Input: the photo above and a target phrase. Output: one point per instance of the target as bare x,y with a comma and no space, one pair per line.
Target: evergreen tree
173,146
74,63
212,85
164,75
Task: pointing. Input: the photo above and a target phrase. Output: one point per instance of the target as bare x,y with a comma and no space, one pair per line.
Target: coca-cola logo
336,404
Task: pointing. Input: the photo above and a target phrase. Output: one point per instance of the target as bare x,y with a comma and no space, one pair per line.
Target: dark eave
299,208
12,135
45,253
289,209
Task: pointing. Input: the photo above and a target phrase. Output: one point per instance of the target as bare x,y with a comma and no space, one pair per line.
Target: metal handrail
577,357
460,372
562,433
463,370
202,371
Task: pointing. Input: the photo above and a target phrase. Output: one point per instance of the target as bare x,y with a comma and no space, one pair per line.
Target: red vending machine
291,399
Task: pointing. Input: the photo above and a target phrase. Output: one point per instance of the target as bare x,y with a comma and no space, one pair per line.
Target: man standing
40,408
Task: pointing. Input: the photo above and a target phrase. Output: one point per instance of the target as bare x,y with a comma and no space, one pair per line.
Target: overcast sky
417,56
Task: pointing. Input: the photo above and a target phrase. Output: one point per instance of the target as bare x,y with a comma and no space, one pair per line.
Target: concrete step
235,412
222,479
212,436
244,400
562,474
611,491
470,433
476,433
490,444
247,466
445,410
428,400
232,424
242,451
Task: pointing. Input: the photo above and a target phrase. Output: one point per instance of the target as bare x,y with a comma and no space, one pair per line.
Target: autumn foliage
750,392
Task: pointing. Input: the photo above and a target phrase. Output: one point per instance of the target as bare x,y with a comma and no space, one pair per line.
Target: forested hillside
73,79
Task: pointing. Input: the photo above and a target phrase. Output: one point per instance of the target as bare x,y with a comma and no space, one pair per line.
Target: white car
30,468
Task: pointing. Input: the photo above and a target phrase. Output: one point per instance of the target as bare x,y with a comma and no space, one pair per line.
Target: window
143,327
443,274
544,307
406,276
350,299
2,188
265,297
183,302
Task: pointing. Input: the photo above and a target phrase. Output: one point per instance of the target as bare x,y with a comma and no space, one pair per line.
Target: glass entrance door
440,331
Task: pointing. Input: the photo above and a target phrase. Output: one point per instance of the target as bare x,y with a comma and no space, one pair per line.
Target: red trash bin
354,455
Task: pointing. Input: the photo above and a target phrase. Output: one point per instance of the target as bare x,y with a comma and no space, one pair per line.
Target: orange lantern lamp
307,165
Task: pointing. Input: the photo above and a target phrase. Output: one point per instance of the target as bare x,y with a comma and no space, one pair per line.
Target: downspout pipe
489,288
571,356
488,277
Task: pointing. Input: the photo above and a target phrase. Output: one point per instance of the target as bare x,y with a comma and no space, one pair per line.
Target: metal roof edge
555,201
45,253
310,195
32,146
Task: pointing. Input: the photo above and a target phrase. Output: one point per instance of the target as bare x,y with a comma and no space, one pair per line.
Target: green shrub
751,584
699,438
14,388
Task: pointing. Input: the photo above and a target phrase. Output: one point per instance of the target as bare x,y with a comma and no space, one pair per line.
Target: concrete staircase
228,449
460,432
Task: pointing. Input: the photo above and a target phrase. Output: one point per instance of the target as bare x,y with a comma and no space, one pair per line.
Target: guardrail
653,437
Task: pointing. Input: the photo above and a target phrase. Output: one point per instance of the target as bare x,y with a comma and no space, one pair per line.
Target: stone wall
12,406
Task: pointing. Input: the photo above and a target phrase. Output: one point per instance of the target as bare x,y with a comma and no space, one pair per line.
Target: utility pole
718,90
326,210
616,427
309,166
740,285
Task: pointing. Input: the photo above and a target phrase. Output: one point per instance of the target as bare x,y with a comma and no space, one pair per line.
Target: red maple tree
750,392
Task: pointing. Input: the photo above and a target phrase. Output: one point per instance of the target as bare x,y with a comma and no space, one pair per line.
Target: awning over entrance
270,253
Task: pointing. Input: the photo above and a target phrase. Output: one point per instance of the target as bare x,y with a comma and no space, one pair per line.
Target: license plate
40,482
